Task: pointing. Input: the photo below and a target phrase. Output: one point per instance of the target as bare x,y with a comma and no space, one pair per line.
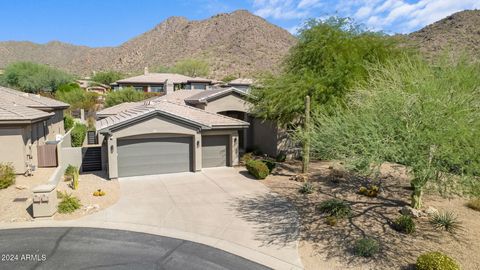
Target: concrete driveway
220,207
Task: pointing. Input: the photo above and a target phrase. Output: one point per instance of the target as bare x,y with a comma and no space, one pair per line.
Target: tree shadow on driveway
274,218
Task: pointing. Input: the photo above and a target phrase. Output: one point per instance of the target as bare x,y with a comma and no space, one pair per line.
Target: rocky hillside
237,43
457,33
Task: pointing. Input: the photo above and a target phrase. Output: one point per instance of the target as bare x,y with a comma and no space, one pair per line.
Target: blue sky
109,23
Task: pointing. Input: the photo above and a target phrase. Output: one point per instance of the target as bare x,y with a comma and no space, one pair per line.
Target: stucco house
27,122
243,84
186,130
163,82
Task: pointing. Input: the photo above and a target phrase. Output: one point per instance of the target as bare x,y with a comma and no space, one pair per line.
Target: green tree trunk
306,135
417,198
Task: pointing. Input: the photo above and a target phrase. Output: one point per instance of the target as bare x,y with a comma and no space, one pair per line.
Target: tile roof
161,78
118,108
14,112
187,113
179,96
242,81
29,100
207,95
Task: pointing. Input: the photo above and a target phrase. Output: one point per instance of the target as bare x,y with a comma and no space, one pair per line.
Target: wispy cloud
402,16
392,16
284,10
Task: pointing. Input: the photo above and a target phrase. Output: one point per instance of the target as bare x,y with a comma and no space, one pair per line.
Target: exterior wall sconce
198,144
111,149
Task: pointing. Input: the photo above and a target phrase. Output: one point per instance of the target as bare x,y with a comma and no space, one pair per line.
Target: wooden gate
47,155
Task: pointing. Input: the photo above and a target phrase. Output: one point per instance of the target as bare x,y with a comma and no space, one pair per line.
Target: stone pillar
234,159
197,153
112,157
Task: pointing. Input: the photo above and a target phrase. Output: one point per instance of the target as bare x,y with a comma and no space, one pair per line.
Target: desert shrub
281,157
270,164
68,204
7,175
306,188
332,221
366,247
474,204
107,77
229,78
447,221
336,208
68,122
405,224
32,77
412,113
192,67
246,157
78,134
436,261
71,170
128,94
257,168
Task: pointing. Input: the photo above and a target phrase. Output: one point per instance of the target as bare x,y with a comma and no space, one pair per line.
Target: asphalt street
91,248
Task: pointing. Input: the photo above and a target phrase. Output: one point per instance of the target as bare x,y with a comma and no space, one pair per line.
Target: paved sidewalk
219,207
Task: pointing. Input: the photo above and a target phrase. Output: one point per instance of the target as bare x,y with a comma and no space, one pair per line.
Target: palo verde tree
330,57
425,117
33,78
75,96
107,77
192,68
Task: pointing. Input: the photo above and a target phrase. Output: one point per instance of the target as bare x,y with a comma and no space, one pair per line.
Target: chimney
145,71
168,87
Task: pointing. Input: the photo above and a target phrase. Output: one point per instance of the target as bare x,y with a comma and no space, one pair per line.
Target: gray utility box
44,201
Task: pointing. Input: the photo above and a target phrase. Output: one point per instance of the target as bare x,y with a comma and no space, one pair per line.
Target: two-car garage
154,156
146,156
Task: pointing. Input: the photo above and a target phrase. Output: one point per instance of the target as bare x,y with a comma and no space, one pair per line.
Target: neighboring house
186,130
27,122
163,82
91,86
243,84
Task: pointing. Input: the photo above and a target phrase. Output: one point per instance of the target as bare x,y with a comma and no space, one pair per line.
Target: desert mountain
457,33
238,43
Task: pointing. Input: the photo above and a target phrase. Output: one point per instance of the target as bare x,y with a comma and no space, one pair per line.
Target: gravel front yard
16,200
330,247
88,184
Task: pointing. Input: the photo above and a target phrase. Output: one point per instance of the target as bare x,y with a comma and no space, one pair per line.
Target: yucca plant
447,221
